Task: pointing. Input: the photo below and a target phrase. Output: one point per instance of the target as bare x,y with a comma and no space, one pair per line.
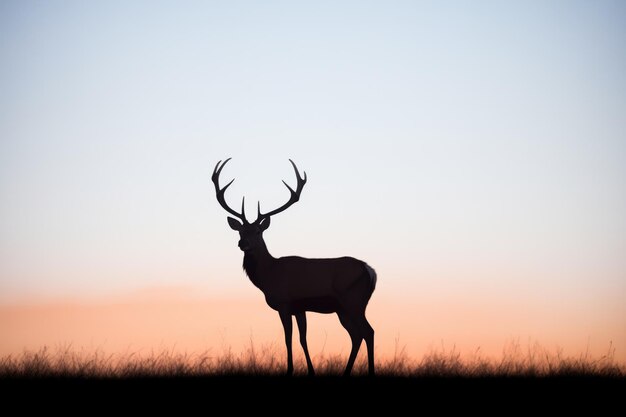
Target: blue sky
456,146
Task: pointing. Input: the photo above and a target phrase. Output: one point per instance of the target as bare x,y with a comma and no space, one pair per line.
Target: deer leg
355,336
368,332
301,320
285,318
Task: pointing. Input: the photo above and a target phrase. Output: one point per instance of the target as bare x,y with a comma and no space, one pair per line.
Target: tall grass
515,361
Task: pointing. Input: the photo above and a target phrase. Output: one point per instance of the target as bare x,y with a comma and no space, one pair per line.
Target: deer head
251,234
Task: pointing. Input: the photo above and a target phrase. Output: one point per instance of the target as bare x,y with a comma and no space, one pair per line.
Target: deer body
301,284
293,285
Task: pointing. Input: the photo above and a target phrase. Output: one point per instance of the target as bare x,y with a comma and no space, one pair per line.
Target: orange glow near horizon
180,321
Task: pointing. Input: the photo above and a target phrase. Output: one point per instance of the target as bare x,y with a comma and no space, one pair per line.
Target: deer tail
372,275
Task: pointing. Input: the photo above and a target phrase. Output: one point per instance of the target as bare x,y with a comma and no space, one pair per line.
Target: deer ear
234,224
265,223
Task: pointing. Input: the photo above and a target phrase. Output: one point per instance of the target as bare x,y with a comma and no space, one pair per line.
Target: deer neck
256,262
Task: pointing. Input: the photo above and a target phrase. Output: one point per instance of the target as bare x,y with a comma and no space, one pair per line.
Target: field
444,379
267,361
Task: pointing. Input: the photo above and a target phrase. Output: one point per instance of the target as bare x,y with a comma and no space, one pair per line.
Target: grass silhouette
516,361
67,379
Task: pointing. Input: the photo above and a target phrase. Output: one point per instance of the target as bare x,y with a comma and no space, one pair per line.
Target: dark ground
225,395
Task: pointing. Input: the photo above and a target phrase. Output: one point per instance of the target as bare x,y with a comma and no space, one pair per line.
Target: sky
474,153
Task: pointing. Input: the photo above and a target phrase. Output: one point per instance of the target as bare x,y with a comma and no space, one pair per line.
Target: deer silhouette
293,285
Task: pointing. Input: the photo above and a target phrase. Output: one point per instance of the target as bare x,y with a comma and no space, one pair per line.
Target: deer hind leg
368,334
355,335
285,318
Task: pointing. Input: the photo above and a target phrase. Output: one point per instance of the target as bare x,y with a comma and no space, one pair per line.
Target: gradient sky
474,153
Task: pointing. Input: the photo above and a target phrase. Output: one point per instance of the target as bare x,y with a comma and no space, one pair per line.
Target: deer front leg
285,318
301,320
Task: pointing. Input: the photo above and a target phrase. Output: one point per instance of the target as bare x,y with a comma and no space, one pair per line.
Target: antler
220,192
295,195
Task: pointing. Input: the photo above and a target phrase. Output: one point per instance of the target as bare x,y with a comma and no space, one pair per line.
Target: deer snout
244,244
